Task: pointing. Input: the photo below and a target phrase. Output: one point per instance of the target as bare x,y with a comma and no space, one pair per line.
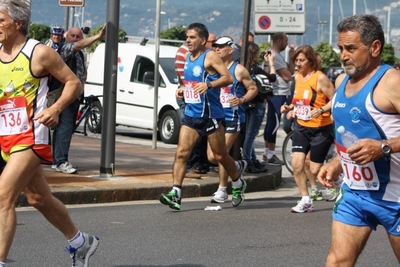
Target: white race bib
189,94
302,109
357,177
13,116
225,97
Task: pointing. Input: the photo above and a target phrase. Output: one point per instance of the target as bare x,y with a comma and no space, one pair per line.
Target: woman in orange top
313,131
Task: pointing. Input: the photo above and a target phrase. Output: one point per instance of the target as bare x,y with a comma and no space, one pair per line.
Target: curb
151,191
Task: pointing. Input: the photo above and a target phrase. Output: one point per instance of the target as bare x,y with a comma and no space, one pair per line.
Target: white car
135,87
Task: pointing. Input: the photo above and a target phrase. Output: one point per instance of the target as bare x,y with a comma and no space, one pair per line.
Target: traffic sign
264,22
71,2
272,16
279,6
280,22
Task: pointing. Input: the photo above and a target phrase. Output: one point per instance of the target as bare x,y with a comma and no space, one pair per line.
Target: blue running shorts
358,210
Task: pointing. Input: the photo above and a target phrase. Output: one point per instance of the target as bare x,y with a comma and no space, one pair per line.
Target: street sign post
73,3
272,16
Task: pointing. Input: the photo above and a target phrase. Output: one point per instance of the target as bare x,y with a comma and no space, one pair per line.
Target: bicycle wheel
287,152
331,153
93,118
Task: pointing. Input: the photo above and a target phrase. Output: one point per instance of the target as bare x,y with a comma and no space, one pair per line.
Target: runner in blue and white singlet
201,105
233,97
237,89
367,104
359,115
204,75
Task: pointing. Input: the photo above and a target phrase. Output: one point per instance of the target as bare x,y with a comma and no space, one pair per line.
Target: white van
135,87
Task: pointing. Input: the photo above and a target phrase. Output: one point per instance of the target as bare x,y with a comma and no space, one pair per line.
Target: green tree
329,57
388,55
264,46
92,47
174,33
39,32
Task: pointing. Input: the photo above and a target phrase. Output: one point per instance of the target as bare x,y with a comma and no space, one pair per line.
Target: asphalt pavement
141,173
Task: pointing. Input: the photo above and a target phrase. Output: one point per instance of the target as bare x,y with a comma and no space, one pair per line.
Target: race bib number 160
13,116
358,177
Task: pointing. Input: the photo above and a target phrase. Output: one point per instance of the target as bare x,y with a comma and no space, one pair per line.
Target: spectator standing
281,87
27,146
233,98
56,37
255,108
238,47
205,74
62,133
366,103
211,40
314,126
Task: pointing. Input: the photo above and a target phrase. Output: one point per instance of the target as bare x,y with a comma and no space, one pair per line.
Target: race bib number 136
13,116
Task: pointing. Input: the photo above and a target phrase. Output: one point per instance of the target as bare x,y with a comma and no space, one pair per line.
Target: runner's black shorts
204,126
316,140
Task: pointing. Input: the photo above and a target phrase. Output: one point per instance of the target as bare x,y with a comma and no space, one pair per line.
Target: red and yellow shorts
42,151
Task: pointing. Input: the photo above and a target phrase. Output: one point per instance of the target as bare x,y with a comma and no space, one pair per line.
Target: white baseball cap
221,41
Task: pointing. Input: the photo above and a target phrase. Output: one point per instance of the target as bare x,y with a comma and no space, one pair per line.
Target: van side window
142,67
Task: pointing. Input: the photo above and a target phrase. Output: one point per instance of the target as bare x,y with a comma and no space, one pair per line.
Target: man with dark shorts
233,98
205,74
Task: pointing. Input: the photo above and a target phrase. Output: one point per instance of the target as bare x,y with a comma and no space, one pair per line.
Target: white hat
223,41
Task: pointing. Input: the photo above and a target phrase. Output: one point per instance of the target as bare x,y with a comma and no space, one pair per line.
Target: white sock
77,241
238,183
222,188
305,199
265,151
2,264
270,154
178,190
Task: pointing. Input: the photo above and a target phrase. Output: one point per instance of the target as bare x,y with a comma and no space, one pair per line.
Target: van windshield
168,65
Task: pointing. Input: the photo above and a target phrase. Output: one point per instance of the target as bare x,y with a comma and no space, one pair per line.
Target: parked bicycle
287,152
90,112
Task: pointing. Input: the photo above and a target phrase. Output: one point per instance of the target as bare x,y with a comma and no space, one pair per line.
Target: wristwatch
244,100
209,85
322,110
385,148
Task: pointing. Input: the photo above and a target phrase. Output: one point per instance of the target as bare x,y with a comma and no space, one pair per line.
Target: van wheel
93,119
169,126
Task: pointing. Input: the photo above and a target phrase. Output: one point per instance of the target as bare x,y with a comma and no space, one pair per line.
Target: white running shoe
302,207
80,256
219,197
66,167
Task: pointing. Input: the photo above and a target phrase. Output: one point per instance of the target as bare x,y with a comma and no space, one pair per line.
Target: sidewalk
141,173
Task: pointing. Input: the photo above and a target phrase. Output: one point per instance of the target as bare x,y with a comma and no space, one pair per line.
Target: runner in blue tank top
232,97
205,74
367,103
